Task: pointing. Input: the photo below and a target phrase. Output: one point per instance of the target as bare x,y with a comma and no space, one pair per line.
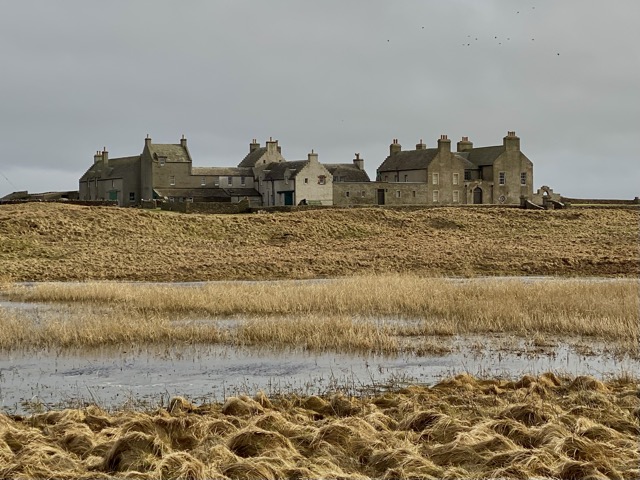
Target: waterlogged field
363,377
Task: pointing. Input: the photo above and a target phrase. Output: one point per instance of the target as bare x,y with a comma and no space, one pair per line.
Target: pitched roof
252,157
347,172
117,168
408,160
465,160
242,192
191,192
485,155
222,171
277,170
173,152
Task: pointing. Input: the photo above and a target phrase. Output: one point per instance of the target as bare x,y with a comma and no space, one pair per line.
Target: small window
386,178
435,178
132,196
467,175
322,179
436,196
363,194
346,194
502,178
395,178
172,180
523,178
456,196
203,181
398,194
406,178
242,181
162,161
286,180
456,178
414,194
306,181
113,184
230,181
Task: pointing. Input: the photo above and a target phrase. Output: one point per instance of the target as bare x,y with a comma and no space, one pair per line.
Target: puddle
115,377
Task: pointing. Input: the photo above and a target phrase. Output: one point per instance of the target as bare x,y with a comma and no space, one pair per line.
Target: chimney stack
97,157
421,145
105,157
359,162
183,142
272,146
465,145
511,142
444,144
147,141
254,145
395,147
312,157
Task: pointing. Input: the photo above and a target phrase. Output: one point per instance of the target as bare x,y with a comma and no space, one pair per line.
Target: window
242,181
172,180
436,178
306,181
406,178
414,194
456,196
523,178
395,178
436,196
132,196
286,180
322,179
162,161
386,178
467,175
502,178
456,178
363,194
203,181
113,184
346,194
398,194
230,181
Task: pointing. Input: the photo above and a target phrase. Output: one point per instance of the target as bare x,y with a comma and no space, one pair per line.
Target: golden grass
42,242
542,427
341,314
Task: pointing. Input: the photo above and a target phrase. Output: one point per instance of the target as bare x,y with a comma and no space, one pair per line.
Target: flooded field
149,375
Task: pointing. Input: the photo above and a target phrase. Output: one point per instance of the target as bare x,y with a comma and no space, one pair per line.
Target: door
288,198
381,196
113,195
477,195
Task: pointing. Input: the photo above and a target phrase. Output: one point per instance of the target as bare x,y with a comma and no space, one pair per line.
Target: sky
336,76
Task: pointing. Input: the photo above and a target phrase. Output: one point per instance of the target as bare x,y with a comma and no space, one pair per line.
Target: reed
537,308
464,427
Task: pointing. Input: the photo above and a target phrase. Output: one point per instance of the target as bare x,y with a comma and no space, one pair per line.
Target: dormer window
203,181
322,179
162,161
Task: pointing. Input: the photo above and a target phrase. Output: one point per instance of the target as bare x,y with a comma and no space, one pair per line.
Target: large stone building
499,174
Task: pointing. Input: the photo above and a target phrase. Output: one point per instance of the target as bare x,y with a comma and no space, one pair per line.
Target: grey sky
336,76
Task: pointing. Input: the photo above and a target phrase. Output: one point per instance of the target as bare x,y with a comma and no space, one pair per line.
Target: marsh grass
337,312
463,427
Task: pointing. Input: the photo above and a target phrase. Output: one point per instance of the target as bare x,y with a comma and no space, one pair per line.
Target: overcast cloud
336,76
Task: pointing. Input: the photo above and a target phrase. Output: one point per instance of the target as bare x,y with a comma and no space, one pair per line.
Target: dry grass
65,242
542,427
340,314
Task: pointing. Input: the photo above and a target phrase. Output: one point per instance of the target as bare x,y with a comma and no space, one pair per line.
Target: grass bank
464,427
40,242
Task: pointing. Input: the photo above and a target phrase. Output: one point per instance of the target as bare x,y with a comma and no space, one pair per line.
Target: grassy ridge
537,427
66,242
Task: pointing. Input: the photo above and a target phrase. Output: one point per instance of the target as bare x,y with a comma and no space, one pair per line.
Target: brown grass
340,315
66,242
542,427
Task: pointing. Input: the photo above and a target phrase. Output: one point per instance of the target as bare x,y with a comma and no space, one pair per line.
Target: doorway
288,198
477,196
381,196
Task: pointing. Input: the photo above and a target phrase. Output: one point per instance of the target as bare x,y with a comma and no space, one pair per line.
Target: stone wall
207,207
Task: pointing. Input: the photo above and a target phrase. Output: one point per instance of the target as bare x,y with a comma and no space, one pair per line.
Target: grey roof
117,168
347,172
408,160
173,152
277,170
485,155
242,192
465,160
252,157
222,171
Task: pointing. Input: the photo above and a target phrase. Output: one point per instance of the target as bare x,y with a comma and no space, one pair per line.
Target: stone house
438,176
163,171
